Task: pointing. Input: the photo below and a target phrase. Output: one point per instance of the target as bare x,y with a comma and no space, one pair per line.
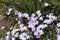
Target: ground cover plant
29,19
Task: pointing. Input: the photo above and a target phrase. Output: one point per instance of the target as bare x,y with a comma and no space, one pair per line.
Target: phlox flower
9,10
38,13
21,25
16,35
41,26
58,24
20,15
13,38
40,0
8,33
46,4
33,15
26,15
14,31
38,33
41,18
7,37
48,21
23,28
24,36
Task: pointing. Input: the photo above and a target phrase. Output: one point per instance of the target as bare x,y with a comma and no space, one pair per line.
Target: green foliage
3,32
50,32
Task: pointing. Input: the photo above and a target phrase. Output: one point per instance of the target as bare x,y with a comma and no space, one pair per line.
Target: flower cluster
36,24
